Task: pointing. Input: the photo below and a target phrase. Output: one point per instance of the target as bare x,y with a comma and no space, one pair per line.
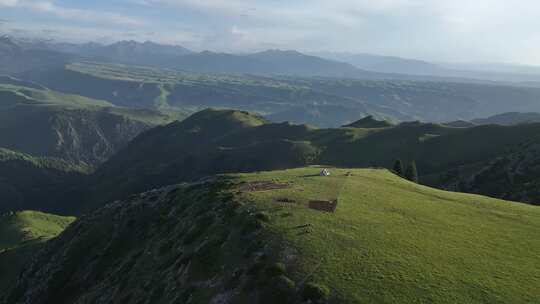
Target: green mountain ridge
227,141
208,142
369,122
253,238
460,124
510,118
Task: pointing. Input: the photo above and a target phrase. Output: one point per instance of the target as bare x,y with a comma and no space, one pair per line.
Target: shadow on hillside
309,175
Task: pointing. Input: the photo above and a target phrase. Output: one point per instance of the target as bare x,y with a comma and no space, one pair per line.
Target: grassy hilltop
252,238
27,227
392,241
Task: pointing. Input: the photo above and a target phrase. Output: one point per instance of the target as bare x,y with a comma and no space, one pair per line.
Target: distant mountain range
508,119
16,58
503,119
369,122
177,57
282,85
268,62
385,64
23,55
519,74
128,52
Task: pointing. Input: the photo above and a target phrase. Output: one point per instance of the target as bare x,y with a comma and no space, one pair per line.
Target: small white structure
324,172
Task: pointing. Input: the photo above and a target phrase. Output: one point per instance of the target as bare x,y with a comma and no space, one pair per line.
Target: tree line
410,173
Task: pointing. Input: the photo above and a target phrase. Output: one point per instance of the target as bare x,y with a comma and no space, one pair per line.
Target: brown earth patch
262,186
285,200
326,206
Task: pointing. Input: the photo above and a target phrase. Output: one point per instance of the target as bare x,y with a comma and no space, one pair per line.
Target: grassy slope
7,155
390,241
21,234
397,242
47,97
435,147
42,97
29,226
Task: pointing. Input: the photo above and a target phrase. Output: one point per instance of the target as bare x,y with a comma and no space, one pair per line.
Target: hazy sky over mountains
457,30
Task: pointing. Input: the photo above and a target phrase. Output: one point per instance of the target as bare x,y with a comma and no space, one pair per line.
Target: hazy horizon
457,31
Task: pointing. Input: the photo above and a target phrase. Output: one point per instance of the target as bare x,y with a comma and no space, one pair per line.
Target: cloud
102,34
48,7
8,2
461,30
444,30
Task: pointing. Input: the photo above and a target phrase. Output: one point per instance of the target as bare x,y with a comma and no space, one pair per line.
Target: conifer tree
398,167
412,173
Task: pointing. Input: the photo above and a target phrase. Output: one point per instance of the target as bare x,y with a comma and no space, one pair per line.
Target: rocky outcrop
79,135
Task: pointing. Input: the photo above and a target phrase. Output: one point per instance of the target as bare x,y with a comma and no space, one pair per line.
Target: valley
322,102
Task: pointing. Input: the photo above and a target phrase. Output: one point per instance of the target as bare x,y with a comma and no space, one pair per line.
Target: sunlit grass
394,241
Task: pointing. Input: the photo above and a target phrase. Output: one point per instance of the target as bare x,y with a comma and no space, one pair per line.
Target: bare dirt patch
262,186
326,206
285,200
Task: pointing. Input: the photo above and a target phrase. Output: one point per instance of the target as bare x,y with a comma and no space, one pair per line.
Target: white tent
325,172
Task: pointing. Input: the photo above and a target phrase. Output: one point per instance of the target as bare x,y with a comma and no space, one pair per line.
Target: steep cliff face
91,136
41,122
80,135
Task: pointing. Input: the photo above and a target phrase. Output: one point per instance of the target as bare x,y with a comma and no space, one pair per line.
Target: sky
435,30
